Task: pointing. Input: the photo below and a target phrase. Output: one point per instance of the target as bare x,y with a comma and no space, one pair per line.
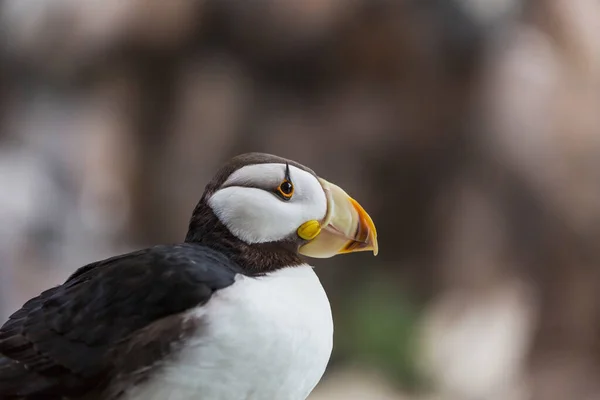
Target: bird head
266,202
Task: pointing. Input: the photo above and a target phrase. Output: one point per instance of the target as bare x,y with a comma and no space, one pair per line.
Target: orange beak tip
367,226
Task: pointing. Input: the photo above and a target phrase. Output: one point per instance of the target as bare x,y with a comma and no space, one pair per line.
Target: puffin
234,312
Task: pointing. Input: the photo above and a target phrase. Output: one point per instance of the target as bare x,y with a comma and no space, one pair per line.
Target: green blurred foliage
380,328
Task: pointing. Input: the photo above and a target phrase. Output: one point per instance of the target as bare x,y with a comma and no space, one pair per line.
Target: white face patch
251,210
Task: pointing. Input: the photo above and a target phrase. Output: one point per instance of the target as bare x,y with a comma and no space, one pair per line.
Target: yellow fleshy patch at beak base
309,230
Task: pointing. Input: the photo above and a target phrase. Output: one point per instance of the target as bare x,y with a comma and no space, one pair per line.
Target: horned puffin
232,313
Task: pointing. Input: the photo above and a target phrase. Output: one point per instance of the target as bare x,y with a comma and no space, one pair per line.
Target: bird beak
347,228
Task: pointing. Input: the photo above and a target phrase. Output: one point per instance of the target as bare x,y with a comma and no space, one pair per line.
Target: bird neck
255,259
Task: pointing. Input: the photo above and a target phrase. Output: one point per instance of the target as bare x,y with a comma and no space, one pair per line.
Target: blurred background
469,129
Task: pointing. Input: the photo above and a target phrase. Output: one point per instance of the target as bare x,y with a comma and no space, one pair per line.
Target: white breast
265,338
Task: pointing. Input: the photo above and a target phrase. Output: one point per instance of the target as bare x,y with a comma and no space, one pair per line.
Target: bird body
232,313
280,338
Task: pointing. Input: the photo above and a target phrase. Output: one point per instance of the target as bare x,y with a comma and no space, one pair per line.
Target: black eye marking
285,190
287,172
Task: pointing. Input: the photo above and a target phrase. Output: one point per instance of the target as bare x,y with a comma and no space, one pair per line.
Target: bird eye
286,190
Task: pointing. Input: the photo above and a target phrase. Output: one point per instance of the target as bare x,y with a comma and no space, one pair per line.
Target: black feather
73,338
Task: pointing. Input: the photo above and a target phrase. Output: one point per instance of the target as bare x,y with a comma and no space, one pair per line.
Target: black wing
78,336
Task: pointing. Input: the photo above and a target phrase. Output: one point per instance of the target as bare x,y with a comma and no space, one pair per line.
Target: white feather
266,338
257,215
